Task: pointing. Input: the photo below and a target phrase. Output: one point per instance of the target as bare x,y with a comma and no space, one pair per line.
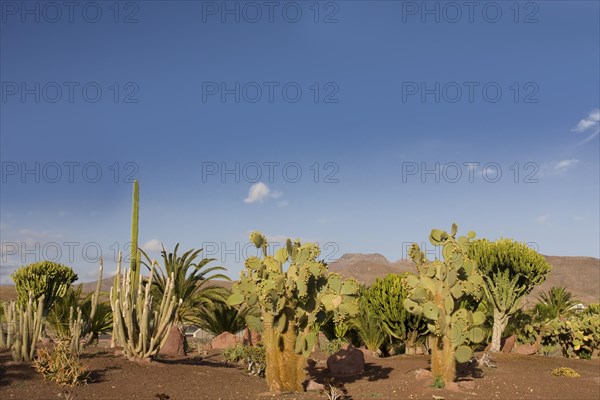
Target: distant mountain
580,275
367,267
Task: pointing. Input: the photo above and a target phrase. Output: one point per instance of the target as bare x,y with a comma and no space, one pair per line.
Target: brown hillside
580,275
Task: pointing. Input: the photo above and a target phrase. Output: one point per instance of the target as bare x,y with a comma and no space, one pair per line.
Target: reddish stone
224,340
421,374
251,338
346,362
509,344
175,344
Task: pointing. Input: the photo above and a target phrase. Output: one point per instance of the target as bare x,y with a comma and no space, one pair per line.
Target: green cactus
580,334
293,304
439,294
134,257
139,329
80,328
24,325
384,299
42,278
134,253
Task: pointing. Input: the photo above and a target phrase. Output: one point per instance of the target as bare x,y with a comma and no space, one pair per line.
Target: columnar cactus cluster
139,329
293,304
439,292
78,327
24,325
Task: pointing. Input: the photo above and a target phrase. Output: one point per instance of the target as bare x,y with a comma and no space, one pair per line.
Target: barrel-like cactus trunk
285,368
291,363
449,362
271,355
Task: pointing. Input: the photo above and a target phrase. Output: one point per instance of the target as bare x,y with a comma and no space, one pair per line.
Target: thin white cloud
152,245
32,233
588,122
282,204
542,219
591,122
564,165
259,192
324,220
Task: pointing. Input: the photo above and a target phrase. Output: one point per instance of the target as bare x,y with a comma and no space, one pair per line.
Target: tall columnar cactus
293,304
79,327
24,325
134,257
439,293
42,278
140,330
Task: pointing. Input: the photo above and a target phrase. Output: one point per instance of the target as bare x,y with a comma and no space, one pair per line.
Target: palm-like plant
219,317
58,317
191,282
557,302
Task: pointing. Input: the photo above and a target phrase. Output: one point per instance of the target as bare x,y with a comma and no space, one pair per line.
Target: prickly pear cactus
293,304
439,293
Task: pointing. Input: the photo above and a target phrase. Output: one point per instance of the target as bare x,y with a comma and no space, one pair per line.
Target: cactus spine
140,330
293,304
439,294
24,326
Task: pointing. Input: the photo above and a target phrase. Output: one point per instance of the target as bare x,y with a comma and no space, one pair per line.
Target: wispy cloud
32,233
542,219
152,245
259,192
557,167
564,165
589,123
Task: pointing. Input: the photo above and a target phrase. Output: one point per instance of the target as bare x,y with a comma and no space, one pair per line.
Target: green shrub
333,346
61,365
384,301
253,358
368,326
438,383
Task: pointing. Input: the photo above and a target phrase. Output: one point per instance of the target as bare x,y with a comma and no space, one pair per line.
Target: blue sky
360,125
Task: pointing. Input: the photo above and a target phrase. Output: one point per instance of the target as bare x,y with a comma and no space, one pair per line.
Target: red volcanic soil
209,377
